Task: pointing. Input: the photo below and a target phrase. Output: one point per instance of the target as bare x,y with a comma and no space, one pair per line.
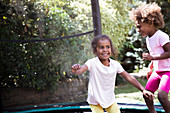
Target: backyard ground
127,93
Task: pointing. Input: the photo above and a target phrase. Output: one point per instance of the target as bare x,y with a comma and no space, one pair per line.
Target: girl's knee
146,98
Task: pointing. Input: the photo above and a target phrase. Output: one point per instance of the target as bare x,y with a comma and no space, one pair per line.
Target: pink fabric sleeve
164,39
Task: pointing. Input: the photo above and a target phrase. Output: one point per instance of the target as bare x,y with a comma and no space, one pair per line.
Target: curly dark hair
102,37
149,13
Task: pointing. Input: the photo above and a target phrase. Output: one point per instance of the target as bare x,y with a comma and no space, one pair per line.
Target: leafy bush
114,19
38,64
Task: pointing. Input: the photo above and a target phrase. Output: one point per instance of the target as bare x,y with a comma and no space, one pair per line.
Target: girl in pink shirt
103,70
148,18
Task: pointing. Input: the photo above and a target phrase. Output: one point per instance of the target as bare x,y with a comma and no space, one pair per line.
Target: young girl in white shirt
148,18
103,71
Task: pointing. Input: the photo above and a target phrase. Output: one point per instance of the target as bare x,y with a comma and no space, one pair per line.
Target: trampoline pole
96,17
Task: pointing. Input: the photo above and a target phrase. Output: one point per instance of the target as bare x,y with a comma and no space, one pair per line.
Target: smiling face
103,50
142,28
145,29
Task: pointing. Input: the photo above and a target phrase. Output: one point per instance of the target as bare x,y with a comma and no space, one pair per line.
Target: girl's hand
148,94
147,56
75,67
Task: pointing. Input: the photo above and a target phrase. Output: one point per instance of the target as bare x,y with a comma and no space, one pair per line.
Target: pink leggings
159,80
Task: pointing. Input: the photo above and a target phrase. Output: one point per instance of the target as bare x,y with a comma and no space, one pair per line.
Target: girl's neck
152,32
105,62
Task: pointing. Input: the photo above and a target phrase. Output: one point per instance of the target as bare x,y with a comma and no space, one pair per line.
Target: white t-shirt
155,46
102,82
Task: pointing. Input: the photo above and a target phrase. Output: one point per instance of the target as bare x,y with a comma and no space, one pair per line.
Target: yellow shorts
114,108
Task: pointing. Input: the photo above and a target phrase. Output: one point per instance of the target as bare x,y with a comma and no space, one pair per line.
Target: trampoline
80,107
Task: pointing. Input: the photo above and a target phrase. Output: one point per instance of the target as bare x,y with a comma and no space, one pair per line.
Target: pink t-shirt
102,82
155,46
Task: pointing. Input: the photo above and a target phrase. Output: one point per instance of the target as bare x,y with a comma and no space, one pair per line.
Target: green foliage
131,52
115,21
39,64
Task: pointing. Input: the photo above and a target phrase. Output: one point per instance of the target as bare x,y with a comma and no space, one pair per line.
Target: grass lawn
127,93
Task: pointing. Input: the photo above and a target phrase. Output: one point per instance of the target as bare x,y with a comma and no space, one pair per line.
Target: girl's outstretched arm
132,80
78,70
